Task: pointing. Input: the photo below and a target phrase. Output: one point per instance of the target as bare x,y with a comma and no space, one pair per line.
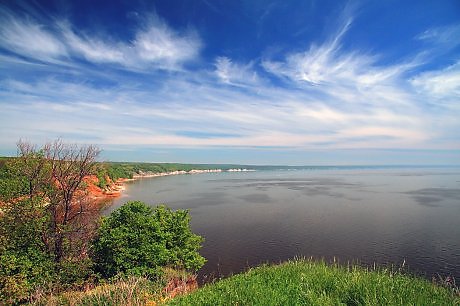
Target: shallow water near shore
364,215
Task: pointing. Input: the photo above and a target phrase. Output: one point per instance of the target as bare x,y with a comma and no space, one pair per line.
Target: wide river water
386,216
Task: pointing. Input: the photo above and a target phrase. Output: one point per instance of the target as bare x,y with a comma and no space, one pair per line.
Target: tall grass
305,282
132,291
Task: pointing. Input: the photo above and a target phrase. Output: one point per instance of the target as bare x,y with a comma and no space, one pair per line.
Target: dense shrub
139,240
11,186
24,263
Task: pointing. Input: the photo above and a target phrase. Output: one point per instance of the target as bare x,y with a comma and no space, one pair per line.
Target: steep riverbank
113,189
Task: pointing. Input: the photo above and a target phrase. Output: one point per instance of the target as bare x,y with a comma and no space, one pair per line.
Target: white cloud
446,36
29,38
444,83
439,92
235,74
277,118
92,49
160,45
327,64
155,44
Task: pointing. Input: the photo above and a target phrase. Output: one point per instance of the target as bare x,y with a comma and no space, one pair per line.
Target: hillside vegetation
305,282
52,239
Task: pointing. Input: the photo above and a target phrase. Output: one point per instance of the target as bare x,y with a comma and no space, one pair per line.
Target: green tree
140,240
45,222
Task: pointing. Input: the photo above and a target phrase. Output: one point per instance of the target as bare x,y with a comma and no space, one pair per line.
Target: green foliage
119,170
41,229
73,273
102,181
305,282
116,170
43,239
11,184
21,273
24,263
101,173
138,240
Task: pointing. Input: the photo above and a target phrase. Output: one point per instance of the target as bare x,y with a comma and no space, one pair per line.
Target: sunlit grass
305,282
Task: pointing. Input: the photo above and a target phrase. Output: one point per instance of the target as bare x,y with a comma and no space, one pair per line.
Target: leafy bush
24,263
139,240
11,186
23,273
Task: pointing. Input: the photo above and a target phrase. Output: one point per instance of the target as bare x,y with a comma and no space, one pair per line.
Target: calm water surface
368,215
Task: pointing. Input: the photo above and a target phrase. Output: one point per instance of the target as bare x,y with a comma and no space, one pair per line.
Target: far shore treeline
112,171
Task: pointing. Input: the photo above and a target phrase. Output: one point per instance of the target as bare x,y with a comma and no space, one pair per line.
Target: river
366,215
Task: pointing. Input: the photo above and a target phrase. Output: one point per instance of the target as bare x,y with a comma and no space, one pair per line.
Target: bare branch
57,171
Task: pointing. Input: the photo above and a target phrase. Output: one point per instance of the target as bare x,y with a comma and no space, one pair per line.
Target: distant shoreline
118,186
193,171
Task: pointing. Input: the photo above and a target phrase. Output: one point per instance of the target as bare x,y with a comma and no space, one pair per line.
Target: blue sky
250,82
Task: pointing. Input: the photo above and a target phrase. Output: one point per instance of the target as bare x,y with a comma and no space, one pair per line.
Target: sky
247,82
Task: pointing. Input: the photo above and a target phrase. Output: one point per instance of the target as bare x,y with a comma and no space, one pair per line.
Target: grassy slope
291,283
316,283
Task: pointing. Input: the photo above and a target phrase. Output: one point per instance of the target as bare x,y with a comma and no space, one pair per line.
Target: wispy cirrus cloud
273,118
90,48
445,35
326,64
443,83
155,44
235,74
160,45
316,64
25,37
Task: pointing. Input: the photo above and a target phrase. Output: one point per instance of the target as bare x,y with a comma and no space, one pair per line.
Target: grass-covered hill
305,282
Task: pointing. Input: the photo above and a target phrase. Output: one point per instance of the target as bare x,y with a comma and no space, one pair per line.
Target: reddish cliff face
91,186
112,190
92,191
